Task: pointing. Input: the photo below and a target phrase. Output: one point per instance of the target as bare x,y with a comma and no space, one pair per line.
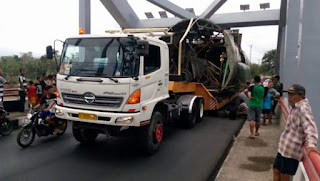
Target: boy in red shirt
32,96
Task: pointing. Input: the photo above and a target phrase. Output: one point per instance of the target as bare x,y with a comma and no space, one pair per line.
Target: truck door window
152,61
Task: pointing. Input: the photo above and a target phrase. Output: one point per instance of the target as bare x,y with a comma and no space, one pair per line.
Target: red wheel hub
159,132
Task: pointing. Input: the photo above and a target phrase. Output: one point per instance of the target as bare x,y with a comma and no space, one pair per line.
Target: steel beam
227,20
84,15
281,30
173,9
289,66
158,23
122,12
245,19
212,8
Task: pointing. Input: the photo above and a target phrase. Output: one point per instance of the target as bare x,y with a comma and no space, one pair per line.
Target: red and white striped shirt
300,128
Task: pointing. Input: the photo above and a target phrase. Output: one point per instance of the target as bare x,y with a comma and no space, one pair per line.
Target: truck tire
190,119
233,113
186,75
151,135
200,110
84,135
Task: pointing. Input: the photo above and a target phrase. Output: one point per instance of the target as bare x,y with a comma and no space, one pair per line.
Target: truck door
155,78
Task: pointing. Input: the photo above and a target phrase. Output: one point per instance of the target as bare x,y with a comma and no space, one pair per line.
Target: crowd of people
40,95
36,90
300,128
263,98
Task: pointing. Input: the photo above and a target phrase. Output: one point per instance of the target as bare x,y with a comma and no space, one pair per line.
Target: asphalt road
188,155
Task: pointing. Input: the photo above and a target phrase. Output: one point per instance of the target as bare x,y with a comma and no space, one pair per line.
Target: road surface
188,155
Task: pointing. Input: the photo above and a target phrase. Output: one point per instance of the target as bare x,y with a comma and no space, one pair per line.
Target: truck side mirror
142,48
49,52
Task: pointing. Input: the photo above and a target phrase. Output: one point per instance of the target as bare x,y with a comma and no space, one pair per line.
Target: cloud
32,25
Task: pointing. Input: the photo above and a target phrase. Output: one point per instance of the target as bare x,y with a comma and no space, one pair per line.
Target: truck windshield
100,57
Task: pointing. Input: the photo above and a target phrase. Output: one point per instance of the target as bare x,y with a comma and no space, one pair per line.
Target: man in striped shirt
300,129
2,82
22,89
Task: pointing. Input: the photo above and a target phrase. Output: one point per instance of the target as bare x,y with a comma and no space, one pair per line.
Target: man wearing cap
300,129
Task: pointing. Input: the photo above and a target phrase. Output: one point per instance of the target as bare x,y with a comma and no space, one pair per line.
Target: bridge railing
309,168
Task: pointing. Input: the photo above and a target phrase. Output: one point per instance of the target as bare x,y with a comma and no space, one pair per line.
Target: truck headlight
59,112
124,120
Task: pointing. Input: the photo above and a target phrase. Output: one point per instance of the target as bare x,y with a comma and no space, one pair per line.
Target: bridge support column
301,63
84,15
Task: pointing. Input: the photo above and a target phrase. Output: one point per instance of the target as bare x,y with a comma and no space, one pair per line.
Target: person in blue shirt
270,94
266,109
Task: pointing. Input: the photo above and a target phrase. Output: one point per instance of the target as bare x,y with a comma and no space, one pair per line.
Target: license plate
87,116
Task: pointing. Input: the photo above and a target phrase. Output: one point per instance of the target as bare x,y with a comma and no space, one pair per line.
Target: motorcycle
34,124
5,123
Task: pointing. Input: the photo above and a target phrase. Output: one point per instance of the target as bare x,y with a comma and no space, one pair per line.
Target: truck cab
107,84
105,80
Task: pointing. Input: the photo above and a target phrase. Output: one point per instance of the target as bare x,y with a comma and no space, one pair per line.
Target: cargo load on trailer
208,55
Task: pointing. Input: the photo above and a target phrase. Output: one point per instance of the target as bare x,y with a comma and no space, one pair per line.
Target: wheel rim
201,110
159,132
26,136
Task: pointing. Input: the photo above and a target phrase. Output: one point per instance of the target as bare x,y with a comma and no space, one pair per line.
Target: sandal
251,137
257,134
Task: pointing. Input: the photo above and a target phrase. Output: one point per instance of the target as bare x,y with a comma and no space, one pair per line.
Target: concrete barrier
11,99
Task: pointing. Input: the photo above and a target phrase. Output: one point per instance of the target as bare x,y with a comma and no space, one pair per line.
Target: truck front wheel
84,135
151,135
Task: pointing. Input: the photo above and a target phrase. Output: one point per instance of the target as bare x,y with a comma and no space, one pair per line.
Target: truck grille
100,101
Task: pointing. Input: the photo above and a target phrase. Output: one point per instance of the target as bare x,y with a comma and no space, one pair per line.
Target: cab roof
139,35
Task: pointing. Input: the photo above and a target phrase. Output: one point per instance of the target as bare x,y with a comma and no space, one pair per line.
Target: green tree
268,62
255,70
34,67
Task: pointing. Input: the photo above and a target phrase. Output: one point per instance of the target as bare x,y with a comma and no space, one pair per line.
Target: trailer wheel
190,119
84,135
200,110
151,135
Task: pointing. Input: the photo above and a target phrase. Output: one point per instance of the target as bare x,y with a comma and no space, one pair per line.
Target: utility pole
250,53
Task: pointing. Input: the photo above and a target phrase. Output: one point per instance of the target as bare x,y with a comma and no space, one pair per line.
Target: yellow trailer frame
210,102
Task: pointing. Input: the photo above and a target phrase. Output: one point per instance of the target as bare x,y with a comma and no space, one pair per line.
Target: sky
31,25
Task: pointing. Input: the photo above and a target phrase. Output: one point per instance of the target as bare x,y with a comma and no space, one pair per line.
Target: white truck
118,83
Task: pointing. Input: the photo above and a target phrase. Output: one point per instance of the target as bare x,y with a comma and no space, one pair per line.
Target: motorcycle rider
48,101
